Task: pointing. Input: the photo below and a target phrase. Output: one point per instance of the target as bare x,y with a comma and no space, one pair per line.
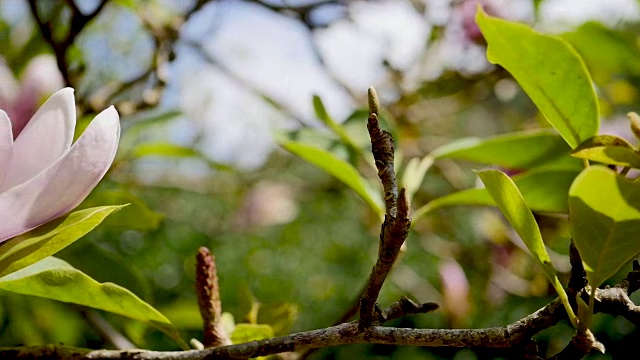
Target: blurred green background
205,90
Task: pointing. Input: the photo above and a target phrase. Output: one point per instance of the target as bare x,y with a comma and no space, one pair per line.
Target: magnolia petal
61,187
6,143
45,138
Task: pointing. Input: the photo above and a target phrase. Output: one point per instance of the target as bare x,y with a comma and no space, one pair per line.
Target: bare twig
406,306
396,223
155,78
61,46
300,11
153,81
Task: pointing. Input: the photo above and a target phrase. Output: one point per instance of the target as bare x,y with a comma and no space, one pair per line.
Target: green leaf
511,203
514,208
605,221
163,149
136,216
249,332
608,149
339,168
50,238
322,114
607,52
519,150
472,197
544,190
550,71
55,279
414,173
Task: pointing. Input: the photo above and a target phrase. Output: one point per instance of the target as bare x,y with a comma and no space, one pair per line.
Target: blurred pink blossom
455,291
42,176
468,11
20,98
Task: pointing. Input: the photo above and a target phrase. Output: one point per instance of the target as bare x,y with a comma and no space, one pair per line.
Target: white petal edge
6,144
46,137
64,185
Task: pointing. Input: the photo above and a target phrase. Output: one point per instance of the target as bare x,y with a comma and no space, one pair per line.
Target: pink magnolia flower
42,176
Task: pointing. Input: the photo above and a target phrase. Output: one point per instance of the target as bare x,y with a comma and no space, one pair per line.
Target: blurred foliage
294,245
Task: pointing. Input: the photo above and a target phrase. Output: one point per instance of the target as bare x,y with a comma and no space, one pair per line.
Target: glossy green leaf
249,332
339,168
519,150
605,221
509,200
55,279
608,149
550,71
544,190
50,238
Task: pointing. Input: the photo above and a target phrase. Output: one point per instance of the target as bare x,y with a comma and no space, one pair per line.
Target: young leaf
323,115
249,332
341,169
48,239
473,197
336,128
550,71
519,150
512,205
608,149
414,173
604,210
55,279
544,190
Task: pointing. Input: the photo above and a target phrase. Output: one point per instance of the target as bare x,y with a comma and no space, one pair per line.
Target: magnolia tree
566,170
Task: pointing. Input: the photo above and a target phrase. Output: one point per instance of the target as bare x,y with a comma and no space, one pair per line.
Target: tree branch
349,333
395,228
